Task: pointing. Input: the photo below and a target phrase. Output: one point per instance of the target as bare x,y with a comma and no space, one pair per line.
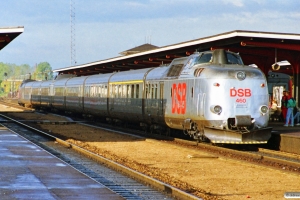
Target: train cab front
239,130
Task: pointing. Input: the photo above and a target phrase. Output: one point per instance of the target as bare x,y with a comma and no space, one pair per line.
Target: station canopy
8,34
263,49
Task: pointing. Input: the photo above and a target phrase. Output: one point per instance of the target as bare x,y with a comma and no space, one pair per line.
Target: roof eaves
19,29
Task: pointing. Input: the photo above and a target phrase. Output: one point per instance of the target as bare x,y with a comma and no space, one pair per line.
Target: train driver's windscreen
203,58
234,58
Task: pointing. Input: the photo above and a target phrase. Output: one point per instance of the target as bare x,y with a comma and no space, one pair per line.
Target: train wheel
145,128
200,138
151,129
168,132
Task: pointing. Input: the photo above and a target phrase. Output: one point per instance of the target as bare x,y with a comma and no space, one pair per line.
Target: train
210,96
277,83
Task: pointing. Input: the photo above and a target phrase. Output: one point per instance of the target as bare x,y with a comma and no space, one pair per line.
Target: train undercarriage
239,130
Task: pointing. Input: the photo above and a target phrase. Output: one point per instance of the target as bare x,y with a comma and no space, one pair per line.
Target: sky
104,28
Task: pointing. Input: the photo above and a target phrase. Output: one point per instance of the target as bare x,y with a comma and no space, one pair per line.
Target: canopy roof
8,34
260,48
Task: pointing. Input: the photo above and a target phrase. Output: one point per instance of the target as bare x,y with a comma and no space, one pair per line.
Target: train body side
125,95
73,94
95,97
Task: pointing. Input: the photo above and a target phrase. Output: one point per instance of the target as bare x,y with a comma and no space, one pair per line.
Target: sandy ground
4,108
202,174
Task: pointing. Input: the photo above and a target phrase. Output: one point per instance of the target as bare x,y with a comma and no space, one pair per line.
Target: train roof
251,45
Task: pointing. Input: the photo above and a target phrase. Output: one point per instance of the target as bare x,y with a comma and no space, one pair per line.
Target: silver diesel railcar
209,95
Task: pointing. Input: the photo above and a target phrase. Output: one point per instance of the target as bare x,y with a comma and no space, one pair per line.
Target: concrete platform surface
285,139
29,172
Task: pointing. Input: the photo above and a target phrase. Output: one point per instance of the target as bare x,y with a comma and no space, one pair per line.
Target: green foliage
16,73
43,71
3,69
12,71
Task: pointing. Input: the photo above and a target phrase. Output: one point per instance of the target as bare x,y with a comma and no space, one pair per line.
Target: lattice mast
72,19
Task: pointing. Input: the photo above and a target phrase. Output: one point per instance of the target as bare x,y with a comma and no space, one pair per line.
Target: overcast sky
104,28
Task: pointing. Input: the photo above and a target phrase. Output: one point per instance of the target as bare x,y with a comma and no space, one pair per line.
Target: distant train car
208,95
25,91
277,83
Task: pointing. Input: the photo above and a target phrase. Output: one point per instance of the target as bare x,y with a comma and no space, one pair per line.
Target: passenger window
152,91
155,91
105,91
124,92
132,91
116,91
86,91
128,91
100,91
92,91
137,91
120,91
146,91
111,91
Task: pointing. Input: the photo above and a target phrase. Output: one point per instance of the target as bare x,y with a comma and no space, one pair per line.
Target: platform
29,172
285,138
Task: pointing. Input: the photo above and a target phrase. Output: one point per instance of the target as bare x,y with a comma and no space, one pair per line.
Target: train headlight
240,75
264,109
216,109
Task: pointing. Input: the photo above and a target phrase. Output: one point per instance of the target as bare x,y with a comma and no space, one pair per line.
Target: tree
4,70
11,75
43,71
22,71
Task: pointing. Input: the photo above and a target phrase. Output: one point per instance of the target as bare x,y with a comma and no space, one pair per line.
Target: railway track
254,154
261,156
264,157
276,159
97,167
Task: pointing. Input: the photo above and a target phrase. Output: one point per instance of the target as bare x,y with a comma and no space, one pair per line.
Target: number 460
240,100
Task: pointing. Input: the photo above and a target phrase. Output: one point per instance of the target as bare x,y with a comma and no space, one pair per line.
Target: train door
40,95
148,100
51,94
21,92
153,101
199,98
111,97
161,101
80,97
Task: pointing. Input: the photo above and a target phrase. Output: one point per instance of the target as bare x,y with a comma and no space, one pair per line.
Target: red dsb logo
240,92
179,98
